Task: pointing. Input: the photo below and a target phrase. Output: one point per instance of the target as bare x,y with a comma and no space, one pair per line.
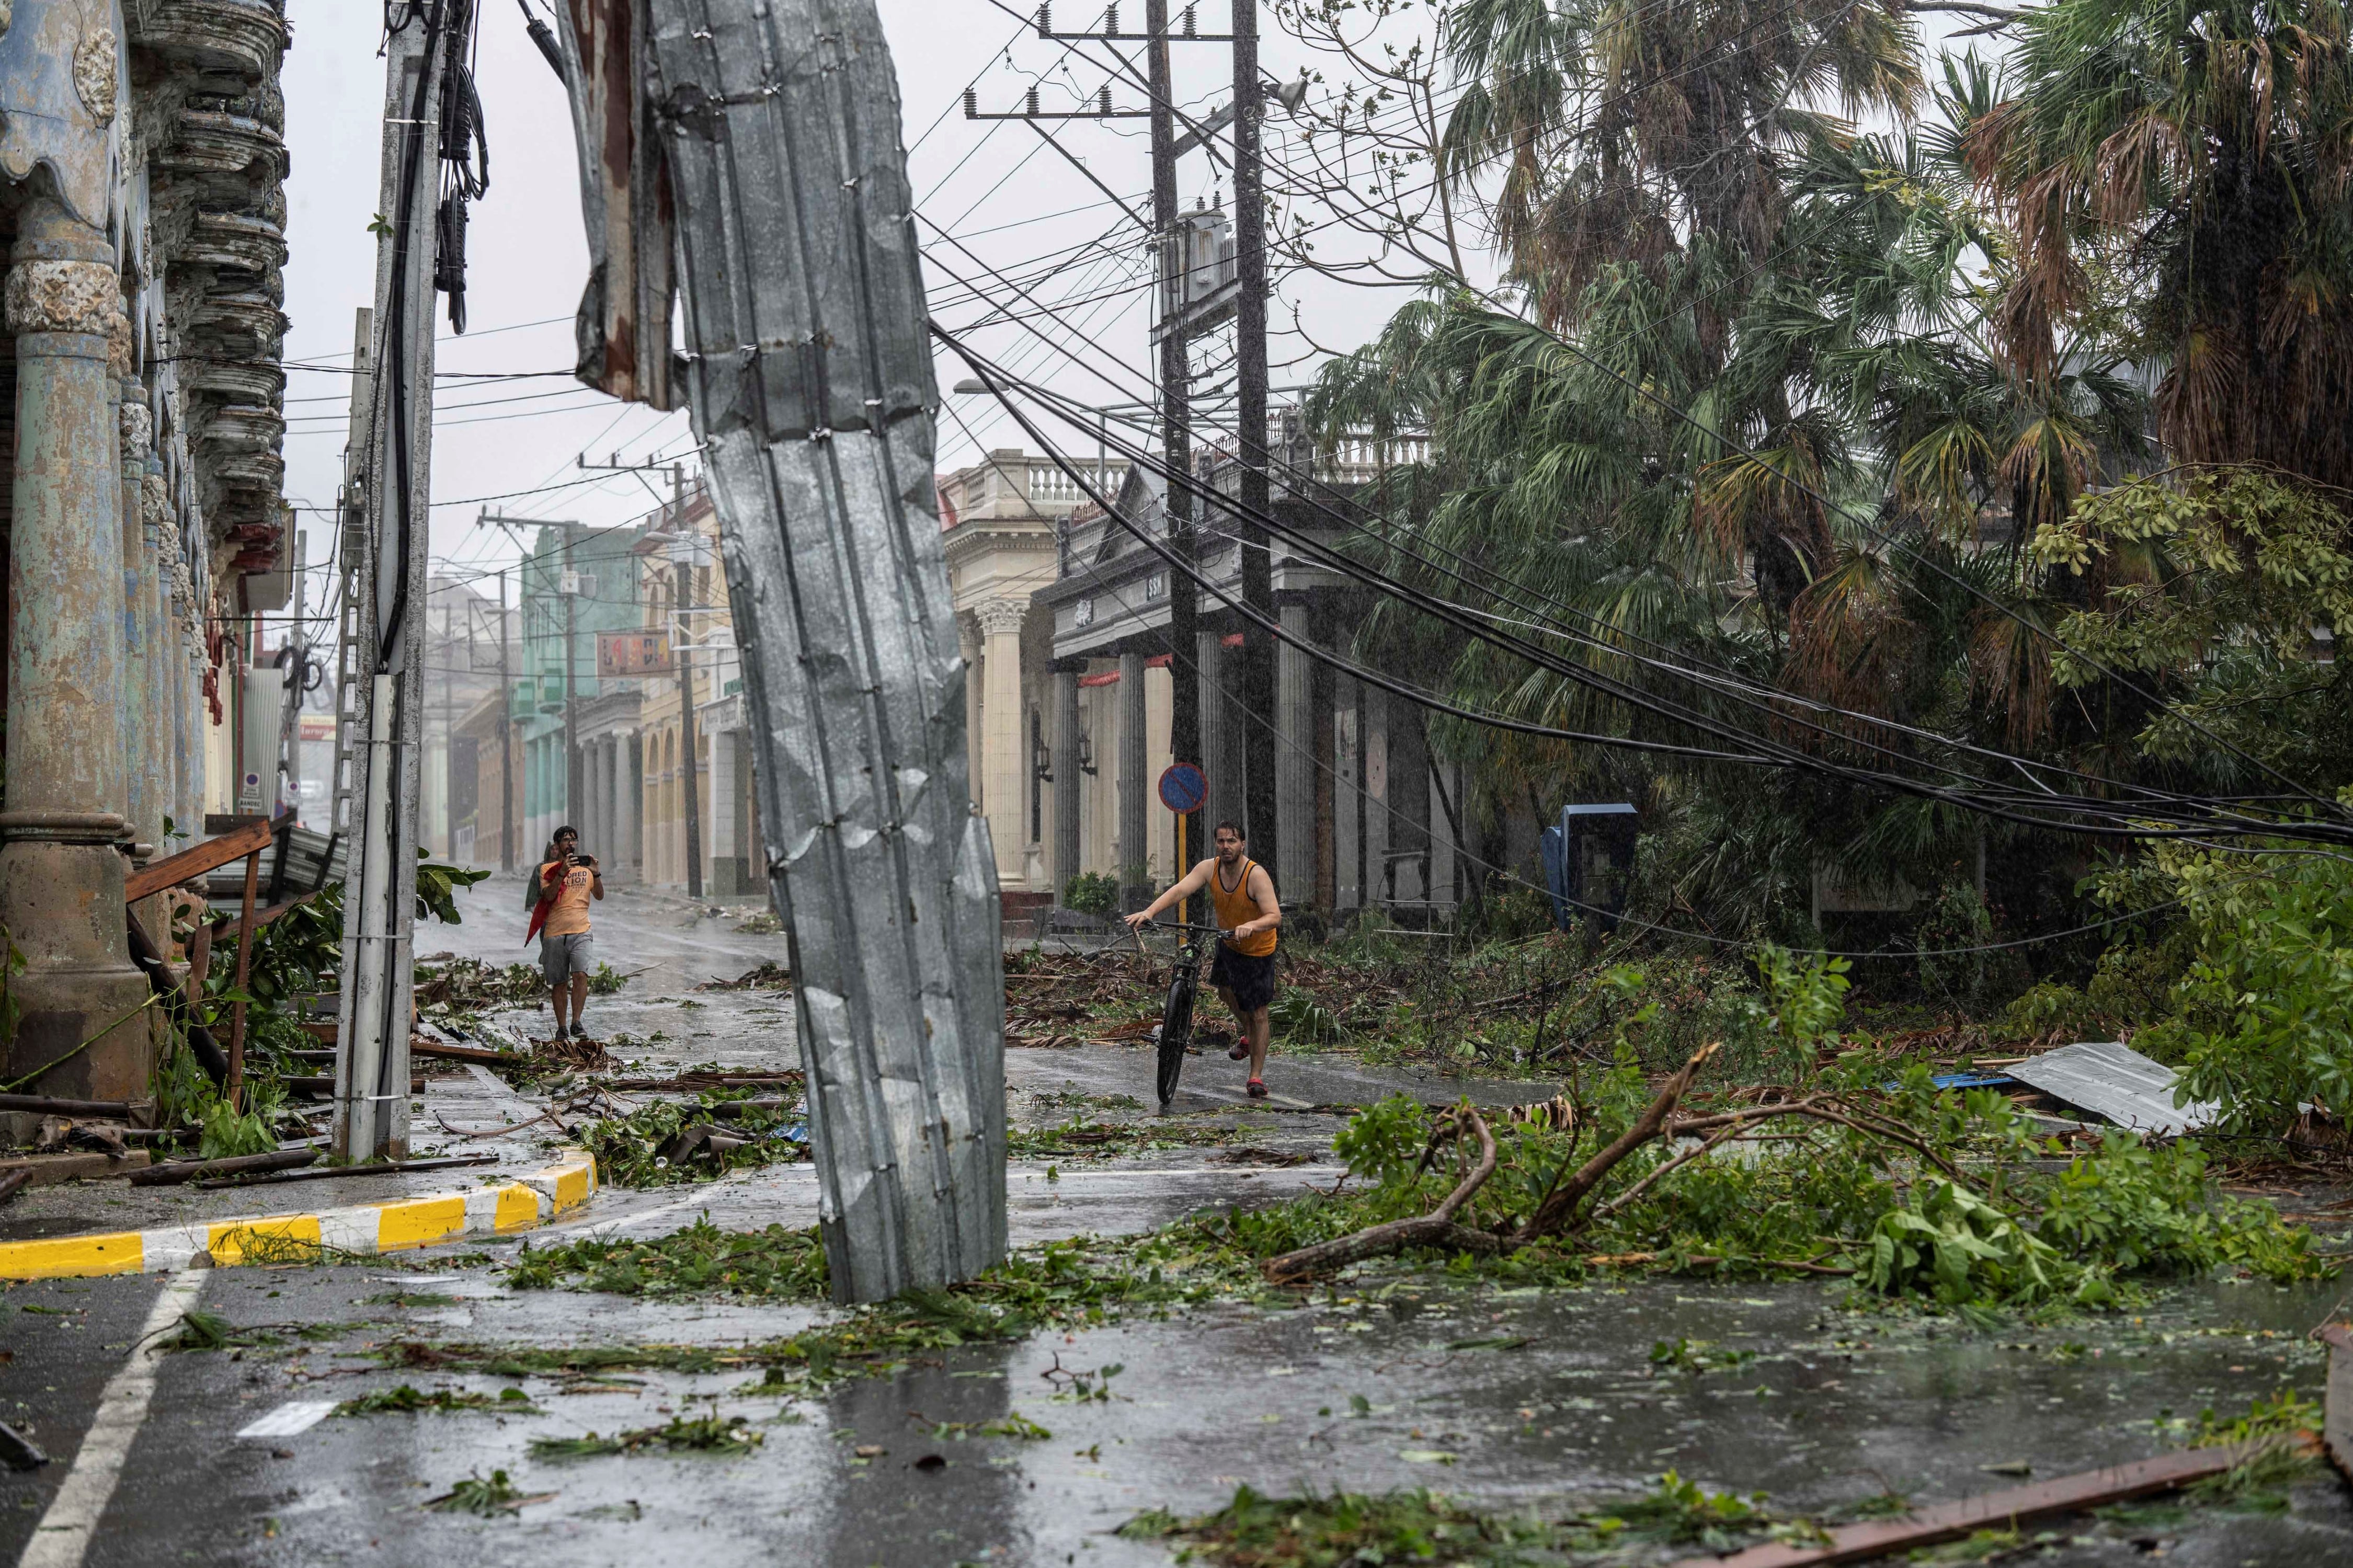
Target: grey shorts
562,957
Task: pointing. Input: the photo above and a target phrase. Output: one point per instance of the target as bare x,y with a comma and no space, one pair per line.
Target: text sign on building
624,654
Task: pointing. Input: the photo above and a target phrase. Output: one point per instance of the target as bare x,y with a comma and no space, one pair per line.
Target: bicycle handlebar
1187,925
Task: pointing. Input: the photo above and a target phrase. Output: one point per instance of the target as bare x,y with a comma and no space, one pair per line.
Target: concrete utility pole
1264,818
568,584
506,738
379,905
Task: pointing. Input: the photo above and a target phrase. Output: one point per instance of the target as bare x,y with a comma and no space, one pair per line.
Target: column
61,873
1295,763
968,644
1128,845
136,708
1409,800
633,807
1004,748
1217,732
1347,797
1067,776
609,779
1374,744
719,827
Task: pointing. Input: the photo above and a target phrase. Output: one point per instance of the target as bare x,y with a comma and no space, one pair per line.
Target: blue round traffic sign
1183,788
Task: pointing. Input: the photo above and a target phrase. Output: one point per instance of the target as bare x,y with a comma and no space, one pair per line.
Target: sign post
1183,788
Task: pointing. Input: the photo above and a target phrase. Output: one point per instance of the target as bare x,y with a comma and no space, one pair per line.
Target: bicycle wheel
1175,1030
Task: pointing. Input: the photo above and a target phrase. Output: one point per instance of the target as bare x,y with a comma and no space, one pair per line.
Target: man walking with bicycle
1243,893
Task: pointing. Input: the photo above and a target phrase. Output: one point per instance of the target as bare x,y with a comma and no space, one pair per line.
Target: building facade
1365,819
1005,517
142,206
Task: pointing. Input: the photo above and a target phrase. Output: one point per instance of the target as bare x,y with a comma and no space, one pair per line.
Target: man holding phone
566,881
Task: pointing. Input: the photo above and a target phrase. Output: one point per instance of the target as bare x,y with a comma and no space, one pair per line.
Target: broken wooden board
251,835
2114,1080
2009,1508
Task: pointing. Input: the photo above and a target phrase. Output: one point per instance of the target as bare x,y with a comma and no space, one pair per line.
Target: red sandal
1239,1051
1257,1088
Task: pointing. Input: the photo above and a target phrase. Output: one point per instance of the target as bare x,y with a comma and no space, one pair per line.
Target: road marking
63,1538
294,1416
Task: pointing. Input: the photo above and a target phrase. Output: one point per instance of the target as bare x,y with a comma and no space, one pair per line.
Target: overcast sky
1000,190
996,185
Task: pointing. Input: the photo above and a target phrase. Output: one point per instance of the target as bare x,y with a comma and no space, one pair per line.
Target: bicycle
1176,1013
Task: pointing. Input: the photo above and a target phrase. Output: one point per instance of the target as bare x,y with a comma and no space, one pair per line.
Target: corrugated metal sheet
2116,1082
809,377
624,325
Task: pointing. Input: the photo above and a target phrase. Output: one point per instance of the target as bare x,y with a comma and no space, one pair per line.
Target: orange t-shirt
570,915
1235,906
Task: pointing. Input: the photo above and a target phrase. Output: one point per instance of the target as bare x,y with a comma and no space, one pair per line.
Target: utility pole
1257,694
506,738
372,1055
681,583
568,584
1176,415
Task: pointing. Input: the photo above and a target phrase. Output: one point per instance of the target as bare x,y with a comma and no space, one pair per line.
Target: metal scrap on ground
2116,1082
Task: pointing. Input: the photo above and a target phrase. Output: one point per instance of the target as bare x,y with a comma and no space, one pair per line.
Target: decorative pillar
1004,748
1348,796
633,807
60,870
1129,850
1216,735
135,707
719,827
1067,863
968,645
1375,745
1294,762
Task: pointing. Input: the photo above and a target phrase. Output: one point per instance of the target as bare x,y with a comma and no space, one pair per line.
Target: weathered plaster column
1295,763
1217,734
633,807
1348,796
163,659
60,870
1004,748
1377,819
969,646
1129,846
136,707
1067,863
719,827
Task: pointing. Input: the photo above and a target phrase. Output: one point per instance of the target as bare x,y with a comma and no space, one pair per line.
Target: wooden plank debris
2009,1508
249,837
179,1171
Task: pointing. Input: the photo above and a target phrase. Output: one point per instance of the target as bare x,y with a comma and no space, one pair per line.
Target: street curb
395,1225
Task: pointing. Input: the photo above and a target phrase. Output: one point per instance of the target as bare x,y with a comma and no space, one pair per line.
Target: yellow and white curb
397,1226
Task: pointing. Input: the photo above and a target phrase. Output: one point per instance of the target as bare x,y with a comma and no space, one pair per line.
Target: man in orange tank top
1243,893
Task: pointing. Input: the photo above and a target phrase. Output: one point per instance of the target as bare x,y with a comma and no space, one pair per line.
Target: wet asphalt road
1835,1408
1509,1398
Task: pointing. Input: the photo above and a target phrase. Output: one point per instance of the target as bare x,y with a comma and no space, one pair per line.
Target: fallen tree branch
1553,1213
1436,1229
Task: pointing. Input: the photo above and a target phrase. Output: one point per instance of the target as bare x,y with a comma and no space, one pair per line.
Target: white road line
63,1538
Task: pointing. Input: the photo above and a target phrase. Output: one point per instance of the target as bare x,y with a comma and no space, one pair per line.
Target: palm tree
2184,167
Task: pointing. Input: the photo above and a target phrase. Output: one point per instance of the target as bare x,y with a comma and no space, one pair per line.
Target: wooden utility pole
1176,414
1261,741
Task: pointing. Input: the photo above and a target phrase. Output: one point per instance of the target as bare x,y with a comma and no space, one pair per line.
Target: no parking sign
1183,788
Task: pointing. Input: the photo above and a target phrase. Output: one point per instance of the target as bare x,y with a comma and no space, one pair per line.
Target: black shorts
1251,980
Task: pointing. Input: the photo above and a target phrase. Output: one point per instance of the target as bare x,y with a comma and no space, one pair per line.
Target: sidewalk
108,1227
